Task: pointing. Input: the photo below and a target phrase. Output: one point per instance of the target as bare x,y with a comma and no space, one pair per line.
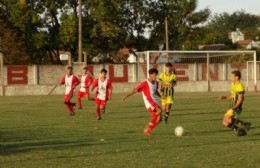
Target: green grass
36,131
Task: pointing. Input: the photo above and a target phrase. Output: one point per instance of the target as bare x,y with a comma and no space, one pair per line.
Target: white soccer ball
179,131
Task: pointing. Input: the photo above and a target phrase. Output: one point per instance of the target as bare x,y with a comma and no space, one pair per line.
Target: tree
12,46
105,31
222,24
184,22
134,21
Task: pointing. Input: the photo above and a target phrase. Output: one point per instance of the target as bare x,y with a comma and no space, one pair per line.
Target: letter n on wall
112,76
17,75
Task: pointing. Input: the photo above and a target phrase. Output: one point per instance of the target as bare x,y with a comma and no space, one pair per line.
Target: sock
237,121
233,125
71,104
98,112
69,107
167,114
155,120
79,103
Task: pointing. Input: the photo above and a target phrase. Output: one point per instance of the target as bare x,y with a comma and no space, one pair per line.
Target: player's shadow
10,149
133,106
195,112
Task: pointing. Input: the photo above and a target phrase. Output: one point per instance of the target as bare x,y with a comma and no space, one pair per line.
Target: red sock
69,107
154,121
98,112
79,103
72,104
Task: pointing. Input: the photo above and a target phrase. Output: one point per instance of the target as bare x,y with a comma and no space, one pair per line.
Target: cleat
79,108
72,114
241,132
247,126
147,132
74,106
98,118
166,119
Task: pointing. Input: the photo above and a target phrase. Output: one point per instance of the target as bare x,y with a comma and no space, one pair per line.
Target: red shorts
82,94
67,97
99,102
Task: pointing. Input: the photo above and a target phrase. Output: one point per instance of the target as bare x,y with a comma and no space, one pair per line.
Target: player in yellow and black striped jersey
237,98
167,81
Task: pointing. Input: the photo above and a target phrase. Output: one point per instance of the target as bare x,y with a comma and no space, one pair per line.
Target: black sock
237,121
233,125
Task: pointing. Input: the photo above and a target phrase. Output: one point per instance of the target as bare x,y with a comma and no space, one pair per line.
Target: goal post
211,67
253,70
2,74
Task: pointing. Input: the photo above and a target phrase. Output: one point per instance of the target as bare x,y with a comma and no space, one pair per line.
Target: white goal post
208,58
253,71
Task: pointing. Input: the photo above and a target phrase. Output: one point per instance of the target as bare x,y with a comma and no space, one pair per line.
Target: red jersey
85,82
149,90
102,88
70,82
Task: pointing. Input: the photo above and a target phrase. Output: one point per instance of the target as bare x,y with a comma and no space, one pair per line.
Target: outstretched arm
94,85
130,94
110,93
228,97
62,81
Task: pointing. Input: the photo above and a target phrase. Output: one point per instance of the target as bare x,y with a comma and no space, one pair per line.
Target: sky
230,6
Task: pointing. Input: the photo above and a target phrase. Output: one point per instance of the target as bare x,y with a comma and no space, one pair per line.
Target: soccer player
149,89
237,98
103,93
86,81
167,81
70,81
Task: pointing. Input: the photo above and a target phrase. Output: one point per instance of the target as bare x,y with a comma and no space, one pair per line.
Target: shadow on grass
10,149
195,113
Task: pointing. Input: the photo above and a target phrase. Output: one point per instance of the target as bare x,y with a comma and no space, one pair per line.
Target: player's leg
239,122
163,103
97,105
230,121
68,104
154,120
79,100
103,106
169,101
87,96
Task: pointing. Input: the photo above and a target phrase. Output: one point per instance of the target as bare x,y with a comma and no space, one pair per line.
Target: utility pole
166,34
80,31
166,38
2,74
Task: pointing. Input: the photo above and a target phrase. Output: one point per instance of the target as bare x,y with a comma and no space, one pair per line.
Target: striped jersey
167,82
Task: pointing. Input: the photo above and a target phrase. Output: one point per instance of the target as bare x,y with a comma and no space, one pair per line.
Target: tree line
35,31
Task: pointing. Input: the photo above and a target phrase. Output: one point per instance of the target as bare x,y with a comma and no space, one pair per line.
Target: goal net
207,70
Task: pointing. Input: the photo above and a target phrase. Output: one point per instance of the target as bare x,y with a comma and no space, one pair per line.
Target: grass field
36,131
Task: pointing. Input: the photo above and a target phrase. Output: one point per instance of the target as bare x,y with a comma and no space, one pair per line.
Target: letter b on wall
17,75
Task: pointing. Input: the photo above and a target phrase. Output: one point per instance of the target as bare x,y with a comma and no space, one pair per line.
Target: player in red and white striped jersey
70,81
103,93
149,89
86,81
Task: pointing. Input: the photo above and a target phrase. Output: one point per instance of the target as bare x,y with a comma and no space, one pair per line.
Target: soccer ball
179,131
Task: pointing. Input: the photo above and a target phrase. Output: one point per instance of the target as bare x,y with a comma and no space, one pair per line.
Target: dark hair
86,68
103,70
153,71
237,73
69,67
168,64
